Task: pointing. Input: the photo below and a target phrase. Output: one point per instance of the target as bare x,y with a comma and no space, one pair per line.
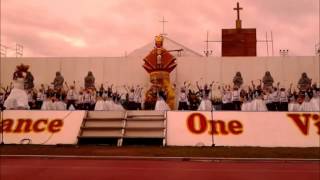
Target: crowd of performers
263,96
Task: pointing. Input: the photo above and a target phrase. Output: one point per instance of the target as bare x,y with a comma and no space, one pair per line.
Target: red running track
77,169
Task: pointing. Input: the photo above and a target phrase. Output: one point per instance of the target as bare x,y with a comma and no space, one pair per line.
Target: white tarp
128,70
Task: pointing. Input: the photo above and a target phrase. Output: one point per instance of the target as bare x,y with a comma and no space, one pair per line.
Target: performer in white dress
161,104
258,103
59,104
307,105
100,104
18,98
48,104
293,105
206,104
115,103
246,104
316,100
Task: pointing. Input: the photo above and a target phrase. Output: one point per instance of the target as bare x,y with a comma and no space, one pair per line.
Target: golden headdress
159,38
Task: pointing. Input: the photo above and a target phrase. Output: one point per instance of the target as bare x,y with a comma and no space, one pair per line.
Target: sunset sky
113,27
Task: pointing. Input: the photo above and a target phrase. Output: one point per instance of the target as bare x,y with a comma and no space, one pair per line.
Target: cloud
109,28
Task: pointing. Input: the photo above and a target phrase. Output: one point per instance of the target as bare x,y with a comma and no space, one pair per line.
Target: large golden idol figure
159,63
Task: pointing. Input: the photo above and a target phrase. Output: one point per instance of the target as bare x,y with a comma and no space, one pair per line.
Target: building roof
168,44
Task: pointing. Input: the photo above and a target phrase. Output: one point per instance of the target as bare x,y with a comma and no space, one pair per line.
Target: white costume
41,96
315,101
205,105
306,106
100,105
258,105
183,97
235,95
93,98
161,105
72,94
227,97
80,99
294,107
60,106
276,96
246,106
116,107
48,105
108,105
18,98
283,97
268,98
87,97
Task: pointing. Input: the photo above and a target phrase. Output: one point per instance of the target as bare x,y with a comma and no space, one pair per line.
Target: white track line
202,159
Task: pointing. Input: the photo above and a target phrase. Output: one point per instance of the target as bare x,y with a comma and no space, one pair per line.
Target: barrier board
264,129
41,127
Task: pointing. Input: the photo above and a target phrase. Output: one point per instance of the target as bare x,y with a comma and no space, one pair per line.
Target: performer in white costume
60,105
307,105
161,104
18,98
100,104
206,104
293,105
115,103
258,104
48,104
316,100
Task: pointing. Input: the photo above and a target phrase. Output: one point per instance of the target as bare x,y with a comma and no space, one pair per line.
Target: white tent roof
168,44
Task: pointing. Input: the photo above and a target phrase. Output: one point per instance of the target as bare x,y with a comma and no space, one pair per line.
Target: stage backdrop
41,127
264,129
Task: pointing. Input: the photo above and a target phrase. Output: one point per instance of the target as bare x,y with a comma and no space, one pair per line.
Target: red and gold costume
159,63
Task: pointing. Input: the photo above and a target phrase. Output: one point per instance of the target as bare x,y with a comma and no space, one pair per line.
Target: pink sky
113,27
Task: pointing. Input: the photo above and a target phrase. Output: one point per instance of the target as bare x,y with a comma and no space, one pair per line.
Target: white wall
120,70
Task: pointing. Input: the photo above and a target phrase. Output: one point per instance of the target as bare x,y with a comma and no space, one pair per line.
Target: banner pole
212,133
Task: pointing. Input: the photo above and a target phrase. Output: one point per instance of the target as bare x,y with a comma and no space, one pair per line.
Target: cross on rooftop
238,21
163,21
238,8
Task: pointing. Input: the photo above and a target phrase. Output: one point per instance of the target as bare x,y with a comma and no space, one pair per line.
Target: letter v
303,125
